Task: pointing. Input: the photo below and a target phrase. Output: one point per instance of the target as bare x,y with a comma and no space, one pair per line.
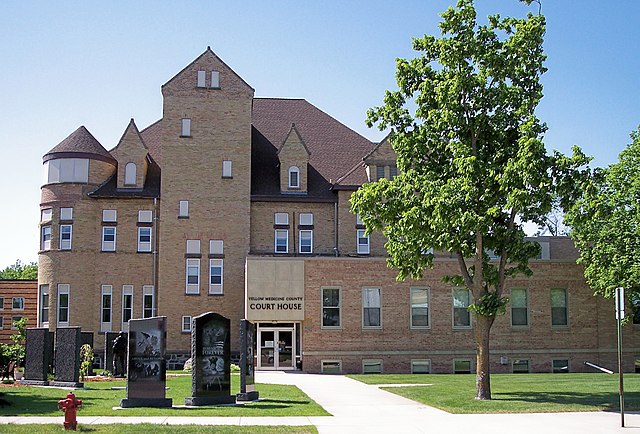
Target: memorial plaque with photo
146,372
38,356
247,364
67,357
211,358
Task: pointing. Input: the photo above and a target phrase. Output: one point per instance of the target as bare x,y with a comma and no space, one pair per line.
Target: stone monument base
248,396
66,384
195,401
33,382
145,402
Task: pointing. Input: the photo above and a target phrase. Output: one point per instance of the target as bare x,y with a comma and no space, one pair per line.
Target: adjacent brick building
18,299
240,205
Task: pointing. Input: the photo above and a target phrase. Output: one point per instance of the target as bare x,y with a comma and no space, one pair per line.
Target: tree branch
464,270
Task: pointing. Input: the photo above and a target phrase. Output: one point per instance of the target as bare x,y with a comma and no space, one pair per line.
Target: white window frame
363,248
63,289
127,308
17,303
109,215
338,307
45,237
453,309
216,247
201,79
65,244
62,170
278,236
145,216
281,218
183,209
306,234
185,127
414,305
526,308
372,366
227,169
193,247
215,79
216,288
306,219
43,300
130,174
294,170
66,214
46,215
106,290
192,288
148,292
365,306
186,325
108,246
144,246
566,307
420,362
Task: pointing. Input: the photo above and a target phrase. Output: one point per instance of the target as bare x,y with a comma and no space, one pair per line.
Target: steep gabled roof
132,128
152,137
79,144
151,187
294,137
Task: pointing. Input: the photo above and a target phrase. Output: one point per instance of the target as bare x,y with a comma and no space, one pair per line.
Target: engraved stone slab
39,355
247,365
67,357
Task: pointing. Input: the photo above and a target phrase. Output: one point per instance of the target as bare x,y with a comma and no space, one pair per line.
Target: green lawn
98,400
160,429
516,393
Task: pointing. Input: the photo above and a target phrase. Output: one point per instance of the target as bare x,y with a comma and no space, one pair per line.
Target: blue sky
98,64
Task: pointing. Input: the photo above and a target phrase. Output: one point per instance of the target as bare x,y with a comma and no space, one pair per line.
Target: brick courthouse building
240,205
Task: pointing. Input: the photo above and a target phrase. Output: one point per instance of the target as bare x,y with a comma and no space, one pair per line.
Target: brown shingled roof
152,136
81,141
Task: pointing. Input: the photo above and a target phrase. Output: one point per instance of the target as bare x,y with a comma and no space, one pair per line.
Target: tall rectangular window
559,313
215,276
105,308
45,238
44,306
148,302
419,307
282,241
186,324
2,301
379,172
202,75
144,239
108,238
519,315
193,276
330,307
65,237
215,79
63,305
306,241
363,242
371,308
461,301
185,127
127,306
227,169
184,209
281,218
393,172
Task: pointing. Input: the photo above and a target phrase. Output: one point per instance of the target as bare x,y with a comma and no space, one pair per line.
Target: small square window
462,366
145,216
226,169
185,127
66,213
184,209
109,215
17,303
560,366
520,366
45,215
306,219
216,247
421,366
282,218
373,366
186,324
193,246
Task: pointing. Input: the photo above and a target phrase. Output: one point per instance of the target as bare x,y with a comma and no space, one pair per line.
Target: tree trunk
483,367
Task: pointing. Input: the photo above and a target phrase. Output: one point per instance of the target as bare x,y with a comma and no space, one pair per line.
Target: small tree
20,271
86,360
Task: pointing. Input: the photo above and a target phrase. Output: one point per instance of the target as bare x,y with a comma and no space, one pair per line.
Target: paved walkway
361,408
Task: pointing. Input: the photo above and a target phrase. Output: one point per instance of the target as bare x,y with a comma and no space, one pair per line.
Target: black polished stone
39,354
67,356
247,362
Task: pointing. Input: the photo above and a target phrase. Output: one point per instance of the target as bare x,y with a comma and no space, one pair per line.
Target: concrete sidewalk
362,408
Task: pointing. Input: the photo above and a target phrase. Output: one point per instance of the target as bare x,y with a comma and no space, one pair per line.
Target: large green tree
605,225
471,157
20,271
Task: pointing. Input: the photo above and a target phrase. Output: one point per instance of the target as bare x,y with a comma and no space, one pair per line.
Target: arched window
294,177
130,174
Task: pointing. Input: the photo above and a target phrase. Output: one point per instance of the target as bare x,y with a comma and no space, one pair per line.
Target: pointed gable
131,154
294,159
381,161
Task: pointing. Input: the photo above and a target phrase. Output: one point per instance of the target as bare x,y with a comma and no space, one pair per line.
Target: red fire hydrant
70,407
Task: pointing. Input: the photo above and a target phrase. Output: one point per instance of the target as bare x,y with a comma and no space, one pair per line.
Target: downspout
335,228
155,256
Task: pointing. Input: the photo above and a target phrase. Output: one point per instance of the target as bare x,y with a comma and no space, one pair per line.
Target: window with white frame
331,366
282,240
148,302
17,303
371,308
130,172
421,366
215,79
306,241
331,305
14,320
46,215
186,324
65,237
202,75
2,301
559,311
281,218
519,316
216,247
63,305
184,209
145,216
185,127
215,276
227,167
127,306
193,276
560,366
461,302
294,177
306,219
193,247
419,307
44,306
363,242
108,238
66,214
462,366
144,239
372,366
105,308
520,366
109,215
45,238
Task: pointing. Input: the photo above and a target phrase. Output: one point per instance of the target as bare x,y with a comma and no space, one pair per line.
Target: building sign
274,289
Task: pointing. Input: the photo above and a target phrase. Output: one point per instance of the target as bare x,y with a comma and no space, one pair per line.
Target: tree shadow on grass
609,401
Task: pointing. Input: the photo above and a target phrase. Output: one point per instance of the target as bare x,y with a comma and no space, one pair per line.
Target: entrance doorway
276,348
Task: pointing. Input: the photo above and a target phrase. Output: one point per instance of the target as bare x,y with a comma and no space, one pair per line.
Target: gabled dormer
381,161
294,159
131,154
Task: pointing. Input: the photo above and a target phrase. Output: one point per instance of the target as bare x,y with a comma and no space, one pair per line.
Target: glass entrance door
277,349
